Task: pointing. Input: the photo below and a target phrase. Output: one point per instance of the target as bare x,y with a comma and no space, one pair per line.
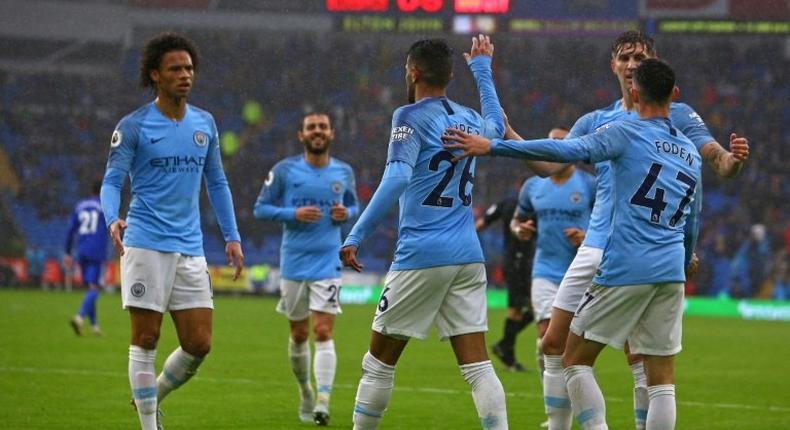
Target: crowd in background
55,129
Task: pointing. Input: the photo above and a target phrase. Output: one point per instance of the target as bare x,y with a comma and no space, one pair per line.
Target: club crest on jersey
138,289
401,133
337,187
200,138
576,197
116,138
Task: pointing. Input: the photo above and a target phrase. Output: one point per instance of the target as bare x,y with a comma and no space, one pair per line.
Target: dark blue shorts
91,271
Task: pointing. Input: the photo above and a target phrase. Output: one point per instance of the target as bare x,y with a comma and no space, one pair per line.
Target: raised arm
479,60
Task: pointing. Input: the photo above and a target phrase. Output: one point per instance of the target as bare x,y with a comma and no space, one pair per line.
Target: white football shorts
648,316
454,297
578,278
298,298
162,281
543,294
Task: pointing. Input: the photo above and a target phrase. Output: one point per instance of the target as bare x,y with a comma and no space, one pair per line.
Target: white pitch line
427,390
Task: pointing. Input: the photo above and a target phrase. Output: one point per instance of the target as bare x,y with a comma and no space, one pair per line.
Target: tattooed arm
725,163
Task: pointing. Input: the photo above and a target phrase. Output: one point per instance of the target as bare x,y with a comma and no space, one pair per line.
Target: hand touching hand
575,236
308,214
339,213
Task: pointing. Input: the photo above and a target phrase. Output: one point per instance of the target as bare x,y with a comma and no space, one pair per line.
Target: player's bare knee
551,344
299,334
299,338
146,340
322,332
198,348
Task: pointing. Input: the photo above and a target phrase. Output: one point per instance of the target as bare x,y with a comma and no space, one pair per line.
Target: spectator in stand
752,263
35,264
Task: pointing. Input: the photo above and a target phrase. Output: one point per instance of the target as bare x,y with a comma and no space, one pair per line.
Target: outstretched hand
348,255
481,45
472,145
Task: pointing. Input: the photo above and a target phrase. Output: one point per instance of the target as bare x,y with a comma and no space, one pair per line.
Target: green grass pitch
731,375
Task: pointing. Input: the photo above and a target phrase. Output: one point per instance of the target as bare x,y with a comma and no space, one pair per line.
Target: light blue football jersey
87,225
655,170
436,226
556,207
166,161
309,251
683,118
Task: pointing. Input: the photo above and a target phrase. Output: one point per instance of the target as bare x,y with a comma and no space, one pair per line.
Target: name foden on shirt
675,149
